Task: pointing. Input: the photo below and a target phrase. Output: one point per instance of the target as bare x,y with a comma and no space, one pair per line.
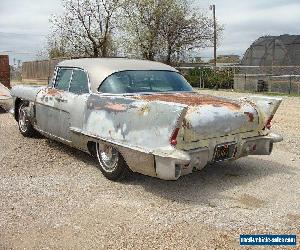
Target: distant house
228,59
197,59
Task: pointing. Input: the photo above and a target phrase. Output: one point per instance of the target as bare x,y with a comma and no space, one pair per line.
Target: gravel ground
54,197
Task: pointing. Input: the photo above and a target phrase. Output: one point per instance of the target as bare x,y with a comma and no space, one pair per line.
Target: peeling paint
186,124
191,99
115,106
250,116
53,92
144,110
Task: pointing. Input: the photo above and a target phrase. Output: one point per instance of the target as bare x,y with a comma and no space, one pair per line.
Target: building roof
99,69
281,50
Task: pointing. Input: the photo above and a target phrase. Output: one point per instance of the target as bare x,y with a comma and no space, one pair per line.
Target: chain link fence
281,79
278,79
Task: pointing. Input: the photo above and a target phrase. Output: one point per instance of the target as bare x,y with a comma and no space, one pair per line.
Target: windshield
136,81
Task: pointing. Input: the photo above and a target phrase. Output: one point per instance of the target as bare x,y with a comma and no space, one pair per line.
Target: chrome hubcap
23,120
108,158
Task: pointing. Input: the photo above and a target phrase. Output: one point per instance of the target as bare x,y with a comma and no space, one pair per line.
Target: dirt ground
54,197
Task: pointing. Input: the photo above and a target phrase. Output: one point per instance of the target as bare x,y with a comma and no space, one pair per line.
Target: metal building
281,50
271,63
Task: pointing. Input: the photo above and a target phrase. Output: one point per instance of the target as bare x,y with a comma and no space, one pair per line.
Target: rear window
136,81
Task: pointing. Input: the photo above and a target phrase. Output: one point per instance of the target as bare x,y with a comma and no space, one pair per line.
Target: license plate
224,151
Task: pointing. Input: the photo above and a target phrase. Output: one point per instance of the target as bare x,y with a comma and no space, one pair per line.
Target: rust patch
53,92
186,124
250,116
144,110
190,99
115,106
2,94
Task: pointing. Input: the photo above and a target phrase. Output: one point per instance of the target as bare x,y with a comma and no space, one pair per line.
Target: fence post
233,87
290,85
200,80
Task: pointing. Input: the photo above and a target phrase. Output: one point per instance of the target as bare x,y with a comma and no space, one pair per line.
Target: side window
79,84
63,79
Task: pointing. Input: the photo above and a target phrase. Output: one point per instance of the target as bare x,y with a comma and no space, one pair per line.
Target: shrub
219,78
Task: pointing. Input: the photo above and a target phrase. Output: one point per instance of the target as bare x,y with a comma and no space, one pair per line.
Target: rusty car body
157,125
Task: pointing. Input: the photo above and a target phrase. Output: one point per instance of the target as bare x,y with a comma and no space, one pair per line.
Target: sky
24,24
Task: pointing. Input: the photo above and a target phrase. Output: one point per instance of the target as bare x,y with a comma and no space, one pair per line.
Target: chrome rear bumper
169,168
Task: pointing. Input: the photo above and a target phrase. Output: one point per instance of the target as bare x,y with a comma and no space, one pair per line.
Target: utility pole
213,8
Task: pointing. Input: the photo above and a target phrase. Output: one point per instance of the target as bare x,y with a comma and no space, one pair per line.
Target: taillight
268,123
173,139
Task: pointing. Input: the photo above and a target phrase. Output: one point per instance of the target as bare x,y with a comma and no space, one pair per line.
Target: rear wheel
24,123
111,163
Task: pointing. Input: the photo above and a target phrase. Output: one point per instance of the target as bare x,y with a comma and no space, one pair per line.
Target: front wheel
111,163
24,123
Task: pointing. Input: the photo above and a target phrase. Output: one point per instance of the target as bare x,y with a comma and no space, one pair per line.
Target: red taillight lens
268,123
173,139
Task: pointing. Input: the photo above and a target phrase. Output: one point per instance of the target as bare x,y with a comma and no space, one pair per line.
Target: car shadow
199,187
73,152
210,183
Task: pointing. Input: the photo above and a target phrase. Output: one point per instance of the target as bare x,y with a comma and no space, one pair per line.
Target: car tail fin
267,107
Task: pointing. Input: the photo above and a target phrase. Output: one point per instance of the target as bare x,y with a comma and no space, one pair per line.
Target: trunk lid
215,120
209,116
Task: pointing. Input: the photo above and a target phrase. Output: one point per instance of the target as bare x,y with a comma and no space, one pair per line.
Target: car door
48,102
73,105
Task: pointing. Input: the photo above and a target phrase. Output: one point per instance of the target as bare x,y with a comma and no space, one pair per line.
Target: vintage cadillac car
143,116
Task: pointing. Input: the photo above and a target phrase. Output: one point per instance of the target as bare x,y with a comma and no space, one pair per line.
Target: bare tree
164,29
183,30
142,24
152,29
57,47
86,27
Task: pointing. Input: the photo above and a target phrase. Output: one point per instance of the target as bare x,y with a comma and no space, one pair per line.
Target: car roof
99,69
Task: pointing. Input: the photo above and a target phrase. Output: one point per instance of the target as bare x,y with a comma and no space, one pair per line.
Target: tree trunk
95,51
169,53
104,48
151,56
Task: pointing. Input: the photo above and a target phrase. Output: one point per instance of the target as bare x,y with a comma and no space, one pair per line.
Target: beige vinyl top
99,69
